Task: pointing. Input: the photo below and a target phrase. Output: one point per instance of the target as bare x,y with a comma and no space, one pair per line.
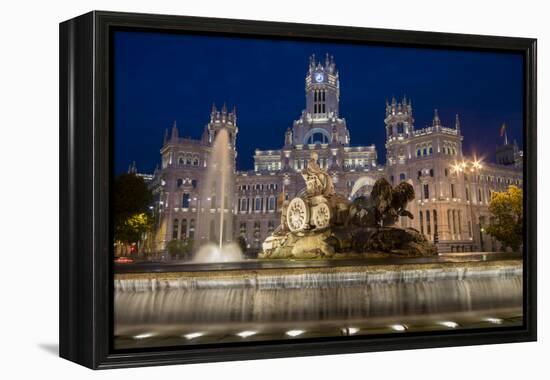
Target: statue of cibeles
318,182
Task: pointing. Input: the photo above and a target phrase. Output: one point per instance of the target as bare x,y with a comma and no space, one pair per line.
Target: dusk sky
160,78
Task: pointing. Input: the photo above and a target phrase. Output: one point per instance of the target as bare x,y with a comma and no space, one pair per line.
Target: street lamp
474,166
481,231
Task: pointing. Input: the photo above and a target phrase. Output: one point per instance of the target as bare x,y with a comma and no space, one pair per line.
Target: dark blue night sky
160,78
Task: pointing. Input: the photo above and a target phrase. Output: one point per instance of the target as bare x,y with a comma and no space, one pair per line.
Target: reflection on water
222,313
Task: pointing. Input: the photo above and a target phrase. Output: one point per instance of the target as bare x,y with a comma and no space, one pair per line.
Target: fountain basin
203,307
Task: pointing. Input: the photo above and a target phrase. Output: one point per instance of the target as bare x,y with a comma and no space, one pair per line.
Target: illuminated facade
452,191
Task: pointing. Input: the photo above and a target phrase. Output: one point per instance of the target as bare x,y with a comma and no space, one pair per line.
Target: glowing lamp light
144,335
449,324
399,327
193,335
294,333
352,330
246,334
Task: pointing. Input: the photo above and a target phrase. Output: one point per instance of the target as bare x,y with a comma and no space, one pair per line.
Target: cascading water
219,307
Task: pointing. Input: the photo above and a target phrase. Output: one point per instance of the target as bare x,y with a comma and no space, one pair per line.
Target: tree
131,229
181,248
131,201
506,224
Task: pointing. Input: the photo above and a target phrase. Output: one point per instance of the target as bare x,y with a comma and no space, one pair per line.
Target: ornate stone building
452,190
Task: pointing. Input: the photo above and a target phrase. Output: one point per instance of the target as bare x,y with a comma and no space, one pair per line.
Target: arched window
213,202
195,161
256,230
272,204
175,228
435,222
402,177
431,172
400,128
179,182
181,161
194,183
188,160
428,226
318,138
449,220
185,200
192,229
454,221
421,218
258,204
183,234
242,228
243,206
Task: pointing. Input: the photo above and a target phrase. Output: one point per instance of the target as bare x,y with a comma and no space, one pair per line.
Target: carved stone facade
452,190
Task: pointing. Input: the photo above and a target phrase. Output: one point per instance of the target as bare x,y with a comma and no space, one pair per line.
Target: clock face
319,77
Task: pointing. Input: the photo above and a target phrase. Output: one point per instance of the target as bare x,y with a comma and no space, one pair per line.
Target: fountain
319,223
276,300
212,253
215,198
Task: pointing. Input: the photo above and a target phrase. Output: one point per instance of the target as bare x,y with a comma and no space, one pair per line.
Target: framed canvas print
238,189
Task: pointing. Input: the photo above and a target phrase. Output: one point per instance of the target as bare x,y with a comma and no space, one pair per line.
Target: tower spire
457,123
312,62
132,169
175,131
503,133
436,121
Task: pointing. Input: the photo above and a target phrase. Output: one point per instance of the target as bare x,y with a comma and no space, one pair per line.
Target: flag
281,198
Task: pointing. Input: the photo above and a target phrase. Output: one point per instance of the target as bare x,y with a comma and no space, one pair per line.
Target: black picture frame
86,289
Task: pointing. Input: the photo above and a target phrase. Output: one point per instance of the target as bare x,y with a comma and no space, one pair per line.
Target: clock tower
320,122
322,88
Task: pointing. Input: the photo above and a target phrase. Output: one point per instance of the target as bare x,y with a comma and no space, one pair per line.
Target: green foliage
131,201
130,230
506,223
181,248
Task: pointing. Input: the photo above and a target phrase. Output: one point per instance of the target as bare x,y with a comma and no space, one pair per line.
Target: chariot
307,213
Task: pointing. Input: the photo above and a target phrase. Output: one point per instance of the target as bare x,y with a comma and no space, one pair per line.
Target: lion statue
384,206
